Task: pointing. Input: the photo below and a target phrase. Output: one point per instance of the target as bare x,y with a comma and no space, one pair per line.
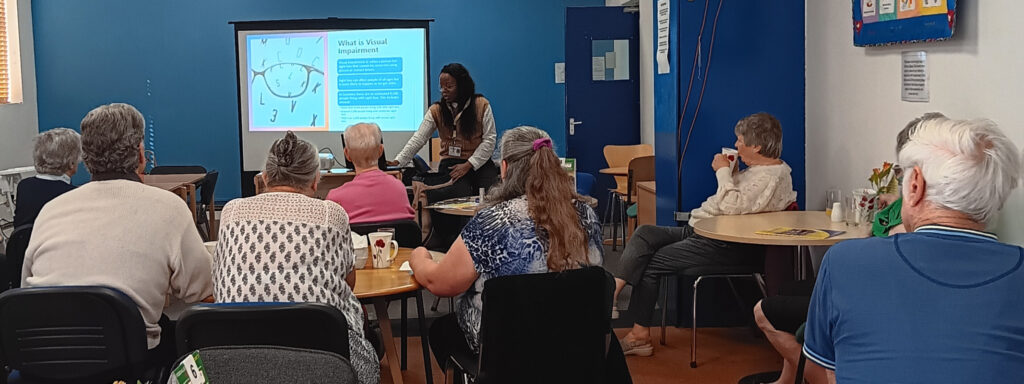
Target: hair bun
284,149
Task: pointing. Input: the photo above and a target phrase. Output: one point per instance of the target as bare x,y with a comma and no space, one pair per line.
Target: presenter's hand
457,171
719,162
393,163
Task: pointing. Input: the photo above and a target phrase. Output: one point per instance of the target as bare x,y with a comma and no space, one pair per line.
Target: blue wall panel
175,61
756,65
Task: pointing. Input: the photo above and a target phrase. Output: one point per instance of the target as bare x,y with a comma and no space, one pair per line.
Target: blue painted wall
756,65
175,61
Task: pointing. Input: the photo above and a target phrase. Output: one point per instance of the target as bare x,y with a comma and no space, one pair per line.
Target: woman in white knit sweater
286,246
765,186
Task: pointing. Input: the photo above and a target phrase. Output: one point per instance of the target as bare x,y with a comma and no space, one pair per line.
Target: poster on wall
886,22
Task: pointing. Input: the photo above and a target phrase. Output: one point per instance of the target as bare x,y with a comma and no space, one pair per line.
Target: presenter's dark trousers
655,251
446,228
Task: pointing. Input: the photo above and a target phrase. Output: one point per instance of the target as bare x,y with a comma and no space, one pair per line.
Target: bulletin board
885,22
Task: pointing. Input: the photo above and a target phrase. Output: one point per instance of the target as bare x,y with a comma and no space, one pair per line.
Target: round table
743,228
444,206
377,286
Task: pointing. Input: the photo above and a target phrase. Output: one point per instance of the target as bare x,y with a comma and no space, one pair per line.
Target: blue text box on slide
372,81
359,98
373,65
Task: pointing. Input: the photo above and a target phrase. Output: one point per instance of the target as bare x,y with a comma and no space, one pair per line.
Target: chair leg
693,325
615,225
405,332
624,220
800,369
425,343
760,284
433,307
664,309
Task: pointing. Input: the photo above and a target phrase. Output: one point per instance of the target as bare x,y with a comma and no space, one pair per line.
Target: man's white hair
362,136
968,165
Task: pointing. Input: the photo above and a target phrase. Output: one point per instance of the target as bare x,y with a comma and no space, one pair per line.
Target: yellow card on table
804,233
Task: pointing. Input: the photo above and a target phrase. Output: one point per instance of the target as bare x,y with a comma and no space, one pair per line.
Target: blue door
602,92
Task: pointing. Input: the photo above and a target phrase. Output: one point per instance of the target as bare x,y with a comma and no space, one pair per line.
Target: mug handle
394,250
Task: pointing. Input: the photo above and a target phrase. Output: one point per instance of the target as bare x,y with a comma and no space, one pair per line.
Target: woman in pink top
373,196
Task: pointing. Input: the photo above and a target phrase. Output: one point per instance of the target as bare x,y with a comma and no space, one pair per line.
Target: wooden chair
641,169
619,156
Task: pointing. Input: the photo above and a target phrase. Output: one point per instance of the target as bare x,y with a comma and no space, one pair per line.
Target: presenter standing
465,125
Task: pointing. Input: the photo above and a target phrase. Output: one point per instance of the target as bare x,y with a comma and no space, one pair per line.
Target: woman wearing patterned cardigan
285,245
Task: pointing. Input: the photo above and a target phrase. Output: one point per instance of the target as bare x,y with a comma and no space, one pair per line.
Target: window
10,59
5,76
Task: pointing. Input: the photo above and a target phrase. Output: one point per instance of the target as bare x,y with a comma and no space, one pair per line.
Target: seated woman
56,156
780,316
286,246
765,186
532,223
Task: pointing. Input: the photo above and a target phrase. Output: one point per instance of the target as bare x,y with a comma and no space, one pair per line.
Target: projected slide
326,81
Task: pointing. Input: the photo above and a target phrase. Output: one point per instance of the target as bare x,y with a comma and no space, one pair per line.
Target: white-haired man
372,196
941,303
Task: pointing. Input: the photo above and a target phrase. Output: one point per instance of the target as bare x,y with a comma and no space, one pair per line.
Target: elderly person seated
56,156
532,223
118,232
372,196
765,186
780,316
941,303
259,260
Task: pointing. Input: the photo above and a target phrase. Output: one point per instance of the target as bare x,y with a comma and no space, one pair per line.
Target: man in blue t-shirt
945,302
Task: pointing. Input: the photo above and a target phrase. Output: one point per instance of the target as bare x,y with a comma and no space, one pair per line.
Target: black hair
466,98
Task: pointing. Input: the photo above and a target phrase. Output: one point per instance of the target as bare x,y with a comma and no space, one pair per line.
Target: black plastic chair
72,334
407,232
271,364
572,307
206,205
10,266
298,325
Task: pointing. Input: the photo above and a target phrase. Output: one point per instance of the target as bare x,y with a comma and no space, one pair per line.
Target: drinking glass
832,196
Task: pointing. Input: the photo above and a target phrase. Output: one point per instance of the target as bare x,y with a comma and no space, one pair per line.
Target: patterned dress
286,247
503,240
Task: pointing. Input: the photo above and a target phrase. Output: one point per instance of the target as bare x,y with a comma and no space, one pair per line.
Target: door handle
572,125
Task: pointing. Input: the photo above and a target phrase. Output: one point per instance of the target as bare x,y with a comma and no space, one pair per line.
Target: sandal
637,347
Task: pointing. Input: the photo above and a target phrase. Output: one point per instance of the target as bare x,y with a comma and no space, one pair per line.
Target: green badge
190,371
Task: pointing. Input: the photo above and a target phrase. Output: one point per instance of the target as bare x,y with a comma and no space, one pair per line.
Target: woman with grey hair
764,186
284,245
56,156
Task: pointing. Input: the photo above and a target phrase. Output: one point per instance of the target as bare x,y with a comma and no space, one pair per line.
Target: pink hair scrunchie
541,143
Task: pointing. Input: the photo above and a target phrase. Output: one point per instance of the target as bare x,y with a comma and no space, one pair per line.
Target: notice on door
915,77
661,57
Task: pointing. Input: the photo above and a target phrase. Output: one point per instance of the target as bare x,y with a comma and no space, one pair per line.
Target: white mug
731,154
383,249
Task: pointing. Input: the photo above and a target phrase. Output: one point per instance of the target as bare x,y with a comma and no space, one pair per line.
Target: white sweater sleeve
191,275
418,139
753,195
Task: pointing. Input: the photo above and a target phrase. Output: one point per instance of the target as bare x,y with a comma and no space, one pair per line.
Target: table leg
380,305
192,201
423,337
405,332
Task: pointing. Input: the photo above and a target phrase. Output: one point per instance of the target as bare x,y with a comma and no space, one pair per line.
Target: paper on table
405,267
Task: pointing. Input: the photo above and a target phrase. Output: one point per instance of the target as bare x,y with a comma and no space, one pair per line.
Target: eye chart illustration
287,82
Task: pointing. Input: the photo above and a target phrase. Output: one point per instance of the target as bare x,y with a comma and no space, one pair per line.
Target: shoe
638,348
615,313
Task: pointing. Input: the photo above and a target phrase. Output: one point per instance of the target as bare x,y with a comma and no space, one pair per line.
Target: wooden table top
170,182
742,228
647,185
373,282
618,171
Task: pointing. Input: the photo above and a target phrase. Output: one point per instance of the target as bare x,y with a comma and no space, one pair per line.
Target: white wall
853,94
19,123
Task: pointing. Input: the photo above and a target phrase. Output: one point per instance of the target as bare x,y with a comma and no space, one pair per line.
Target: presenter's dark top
33,194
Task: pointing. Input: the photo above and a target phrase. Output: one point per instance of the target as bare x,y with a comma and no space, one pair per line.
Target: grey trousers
655,251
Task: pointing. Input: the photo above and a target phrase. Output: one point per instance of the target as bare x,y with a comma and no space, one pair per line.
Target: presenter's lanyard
455,150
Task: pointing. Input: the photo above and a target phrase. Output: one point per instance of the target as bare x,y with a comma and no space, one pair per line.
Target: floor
725,355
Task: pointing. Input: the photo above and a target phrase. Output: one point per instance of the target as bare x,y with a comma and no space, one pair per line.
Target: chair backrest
572,309
207,188
407,232
177,169
618,156
73,334
641,169
584,183
299,325
272,364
